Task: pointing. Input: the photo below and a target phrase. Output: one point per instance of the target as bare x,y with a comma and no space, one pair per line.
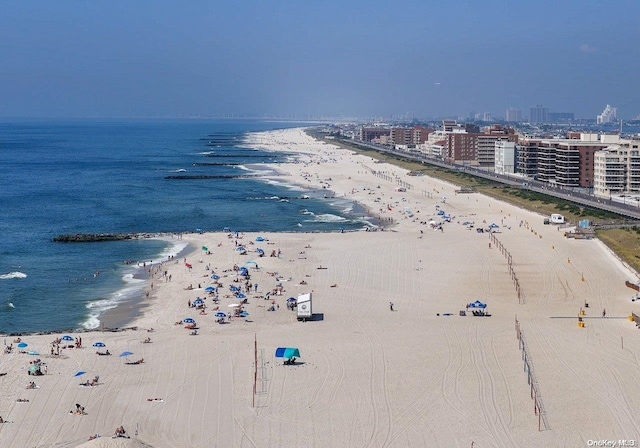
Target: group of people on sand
93,382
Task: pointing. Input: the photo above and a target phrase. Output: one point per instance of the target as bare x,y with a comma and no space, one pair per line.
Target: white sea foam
133,287
327,217
15,274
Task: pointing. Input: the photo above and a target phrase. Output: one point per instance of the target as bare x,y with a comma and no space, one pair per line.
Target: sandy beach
367,376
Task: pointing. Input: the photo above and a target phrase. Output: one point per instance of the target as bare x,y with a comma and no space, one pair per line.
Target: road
571,195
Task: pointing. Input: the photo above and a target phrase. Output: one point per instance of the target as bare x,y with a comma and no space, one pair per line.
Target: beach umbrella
220,314
240,295
99,344
291,299
67,338
251,262
189,320
210,288
22,345
244,314
259,238
287,352
198,302
126,354
80,373
215,277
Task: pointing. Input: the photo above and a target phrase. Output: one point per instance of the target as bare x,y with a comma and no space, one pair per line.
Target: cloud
586,48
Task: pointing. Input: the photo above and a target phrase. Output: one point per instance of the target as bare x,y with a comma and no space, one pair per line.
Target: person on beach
391,306
604,312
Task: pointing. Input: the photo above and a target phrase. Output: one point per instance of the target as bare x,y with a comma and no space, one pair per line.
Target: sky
376,58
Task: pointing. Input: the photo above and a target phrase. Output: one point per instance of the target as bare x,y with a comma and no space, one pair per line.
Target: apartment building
505,157
562,162
368,134
617,169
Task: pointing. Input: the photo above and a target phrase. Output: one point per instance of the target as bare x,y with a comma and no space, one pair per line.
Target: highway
625,210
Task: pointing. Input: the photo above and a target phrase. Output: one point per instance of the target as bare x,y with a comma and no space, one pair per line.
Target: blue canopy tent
287,352
477,304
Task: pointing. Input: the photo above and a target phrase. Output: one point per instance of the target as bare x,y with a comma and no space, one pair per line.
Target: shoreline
388,359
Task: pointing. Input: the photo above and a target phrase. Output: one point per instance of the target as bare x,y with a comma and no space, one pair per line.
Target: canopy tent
477,304
287,352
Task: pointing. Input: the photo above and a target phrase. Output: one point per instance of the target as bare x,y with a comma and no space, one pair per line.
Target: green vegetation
624,242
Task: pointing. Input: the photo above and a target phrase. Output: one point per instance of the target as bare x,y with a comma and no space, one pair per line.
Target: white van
557,218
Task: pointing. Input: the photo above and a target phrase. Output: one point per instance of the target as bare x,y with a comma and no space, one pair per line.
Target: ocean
107,176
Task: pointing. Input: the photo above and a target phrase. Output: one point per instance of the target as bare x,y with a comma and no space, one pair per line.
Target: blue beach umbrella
215,277
67,338
189,320
198,302
220,314
99,344
80,373
126,354
22,345
240,295
210,288
259,238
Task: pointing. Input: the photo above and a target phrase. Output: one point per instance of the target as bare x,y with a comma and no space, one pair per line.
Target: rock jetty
95,237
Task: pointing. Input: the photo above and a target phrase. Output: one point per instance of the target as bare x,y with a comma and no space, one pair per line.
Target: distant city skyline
334,58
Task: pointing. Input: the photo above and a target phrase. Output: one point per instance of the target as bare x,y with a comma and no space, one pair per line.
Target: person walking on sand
391,306
604,312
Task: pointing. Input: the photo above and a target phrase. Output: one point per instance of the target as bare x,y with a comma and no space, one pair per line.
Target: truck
557,218
304,307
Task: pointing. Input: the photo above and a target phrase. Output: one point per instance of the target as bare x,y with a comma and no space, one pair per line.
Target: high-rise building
608,115
513,115
539,114
505,157
617,169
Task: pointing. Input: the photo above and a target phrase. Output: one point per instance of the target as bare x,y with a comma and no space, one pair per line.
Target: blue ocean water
90,176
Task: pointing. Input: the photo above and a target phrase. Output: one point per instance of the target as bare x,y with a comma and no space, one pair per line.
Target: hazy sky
348,57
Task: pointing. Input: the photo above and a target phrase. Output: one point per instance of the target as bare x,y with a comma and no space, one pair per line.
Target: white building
505,157
616,170
608,115
513,115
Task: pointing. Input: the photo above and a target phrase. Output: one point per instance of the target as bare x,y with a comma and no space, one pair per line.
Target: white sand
368,376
